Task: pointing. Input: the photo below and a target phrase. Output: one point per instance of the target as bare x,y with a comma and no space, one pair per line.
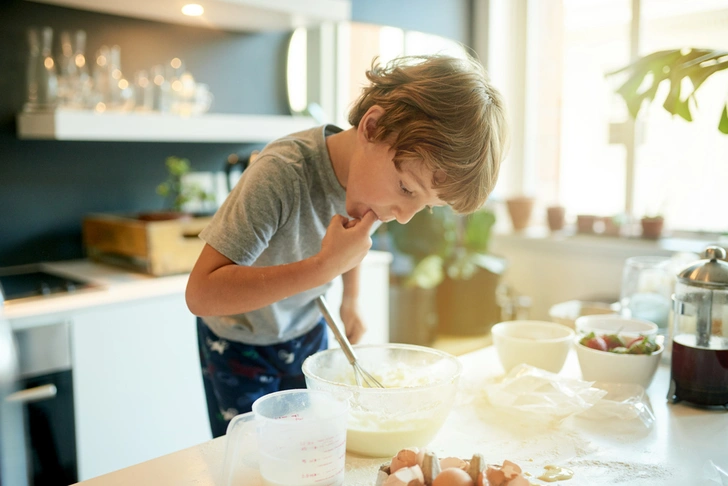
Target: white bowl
617,368
421,387
607,324
541,344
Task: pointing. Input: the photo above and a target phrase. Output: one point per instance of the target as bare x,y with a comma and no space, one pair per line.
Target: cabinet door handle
35,394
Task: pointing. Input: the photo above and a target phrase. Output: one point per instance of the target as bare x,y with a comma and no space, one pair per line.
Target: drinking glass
647,287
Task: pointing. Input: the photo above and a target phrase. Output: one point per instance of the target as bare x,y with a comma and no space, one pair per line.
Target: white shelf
157,127
238,15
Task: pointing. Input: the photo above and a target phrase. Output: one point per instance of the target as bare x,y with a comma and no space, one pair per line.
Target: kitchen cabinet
238,15
138,390
65,124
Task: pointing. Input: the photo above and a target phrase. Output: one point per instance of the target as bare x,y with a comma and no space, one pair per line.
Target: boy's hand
347,242
354,327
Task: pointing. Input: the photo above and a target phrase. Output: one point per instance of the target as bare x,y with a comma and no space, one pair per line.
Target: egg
449,462
453,477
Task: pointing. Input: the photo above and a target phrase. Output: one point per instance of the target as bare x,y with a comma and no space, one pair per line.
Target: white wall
552,269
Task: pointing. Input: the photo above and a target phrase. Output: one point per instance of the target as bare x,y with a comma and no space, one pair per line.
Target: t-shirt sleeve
257,207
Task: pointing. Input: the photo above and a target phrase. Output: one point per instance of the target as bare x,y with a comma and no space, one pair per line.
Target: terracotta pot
519,208
585,223
652,227
555,216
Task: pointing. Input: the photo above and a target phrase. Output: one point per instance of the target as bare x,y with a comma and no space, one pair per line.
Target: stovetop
27,281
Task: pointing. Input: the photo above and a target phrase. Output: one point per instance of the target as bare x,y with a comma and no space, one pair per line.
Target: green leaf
672,66
674,104
427,274
425,234
723,124
477,230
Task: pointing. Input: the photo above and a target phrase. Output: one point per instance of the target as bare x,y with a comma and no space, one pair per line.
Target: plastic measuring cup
297,437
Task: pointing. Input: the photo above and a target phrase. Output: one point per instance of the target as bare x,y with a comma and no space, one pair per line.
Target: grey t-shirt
278,213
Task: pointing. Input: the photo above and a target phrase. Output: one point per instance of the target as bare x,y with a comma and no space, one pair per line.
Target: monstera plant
685,71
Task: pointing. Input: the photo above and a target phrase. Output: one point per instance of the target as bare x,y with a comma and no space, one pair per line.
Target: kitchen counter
674,451
112,285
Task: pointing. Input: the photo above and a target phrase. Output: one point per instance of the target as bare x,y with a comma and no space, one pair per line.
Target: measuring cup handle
241,426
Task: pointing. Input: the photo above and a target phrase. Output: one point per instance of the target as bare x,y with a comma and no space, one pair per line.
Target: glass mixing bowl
420,388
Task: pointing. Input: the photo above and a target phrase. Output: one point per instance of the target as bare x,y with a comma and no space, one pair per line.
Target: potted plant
449,278
177,192
673,66
652,226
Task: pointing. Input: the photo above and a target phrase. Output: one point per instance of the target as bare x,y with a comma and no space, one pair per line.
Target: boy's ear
368,124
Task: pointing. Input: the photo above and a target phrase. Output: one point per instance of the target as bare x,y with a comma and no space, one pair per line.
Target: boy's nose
403,215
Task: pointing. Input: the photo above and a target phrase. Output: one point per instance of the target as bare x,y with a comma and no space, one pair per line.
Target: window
576,134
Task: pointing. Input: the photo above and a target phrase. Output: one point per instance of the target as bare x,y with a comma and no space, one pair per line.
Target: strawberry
595,342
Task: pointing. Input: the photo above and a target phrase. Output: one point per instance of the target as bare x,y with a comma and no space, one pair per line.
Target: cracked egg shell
406,458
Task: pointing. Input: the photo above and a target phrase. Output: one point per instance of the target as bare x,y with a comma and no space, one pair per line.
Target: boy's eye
404,189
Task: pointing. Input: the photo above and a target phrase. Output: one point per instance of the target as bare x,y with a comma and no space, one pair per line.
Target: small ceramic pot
652,227
585,223
520,208
555,216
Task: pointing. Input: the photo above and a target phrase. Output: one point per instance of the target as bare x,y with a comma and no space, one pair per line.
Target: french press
699,369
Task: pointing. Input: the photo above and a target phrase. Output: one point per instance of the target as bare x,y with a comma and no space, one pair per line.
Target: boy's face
374,184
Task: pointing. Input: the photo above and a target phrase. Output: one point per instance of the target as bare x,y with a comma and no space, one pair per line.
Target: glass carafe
699,368
42,79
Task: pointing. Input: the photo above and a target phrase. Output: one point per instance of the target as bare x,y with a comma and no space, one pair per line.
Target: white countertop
112,285
673,451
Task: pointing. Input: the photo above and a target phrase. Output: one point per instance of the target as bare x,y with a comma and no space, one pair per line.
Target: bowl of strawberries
614,357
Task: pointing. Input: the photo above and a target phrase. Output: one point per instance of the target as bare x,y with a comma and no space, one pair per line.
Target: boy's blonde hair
443,111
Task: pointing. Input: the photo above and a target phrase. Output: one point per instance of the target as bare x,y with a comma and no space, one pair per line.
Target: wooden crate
155,247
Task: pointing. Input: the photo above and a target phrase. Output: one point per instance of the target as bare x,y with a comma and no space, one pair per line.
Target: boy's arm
354,326
218,287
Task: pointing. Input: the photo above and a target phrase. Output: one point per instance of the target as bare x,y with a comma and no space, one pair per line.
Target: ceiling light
193,10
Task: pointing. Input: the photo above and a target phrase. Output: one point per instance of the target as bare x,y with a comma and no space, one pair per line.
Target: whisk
362,376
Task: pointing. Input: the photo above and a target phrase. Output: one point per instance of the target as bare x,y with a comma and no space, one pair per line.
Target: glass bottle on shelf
161,89
121,94
143,91
66,70
101,95
32,69
42,79
81,85
47,79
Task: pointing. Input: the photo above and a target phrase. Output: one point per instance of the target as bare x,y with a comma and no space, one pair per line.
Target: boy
428,131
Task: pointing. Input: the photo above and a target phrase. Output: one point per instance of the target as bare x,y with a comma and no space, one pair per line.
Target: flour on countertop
619,472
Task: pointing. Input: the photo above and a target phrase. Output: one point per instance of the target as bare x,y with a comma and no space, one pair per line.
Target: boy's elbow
193,300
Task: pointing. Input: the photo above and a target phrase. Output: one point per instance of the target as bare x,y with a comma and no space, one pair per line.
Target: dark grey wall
448,18
46,187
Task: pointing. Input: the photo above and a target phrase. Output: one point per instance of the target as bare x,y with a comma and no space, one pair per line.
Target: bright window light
193,10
